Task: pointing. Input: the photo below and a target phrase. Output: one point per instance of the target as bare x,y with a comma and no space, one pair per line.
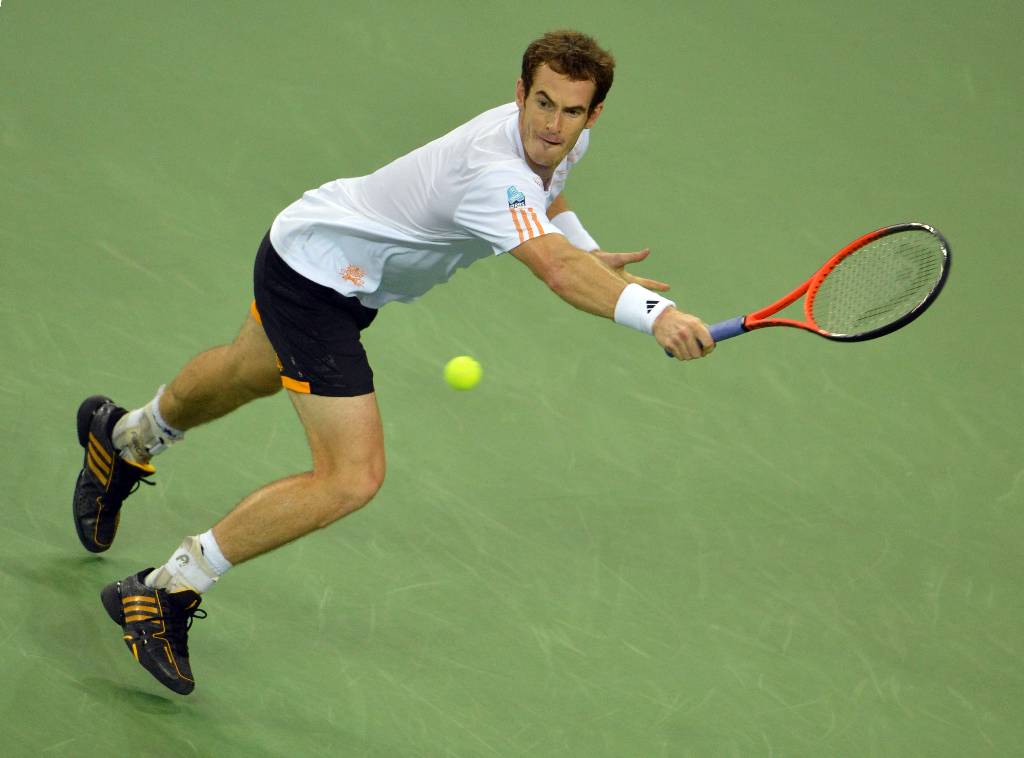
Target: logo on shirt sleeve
516,199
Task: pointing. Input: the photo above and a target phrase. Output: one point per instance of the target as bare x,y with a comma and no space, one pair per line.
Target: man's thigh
345,434
255,357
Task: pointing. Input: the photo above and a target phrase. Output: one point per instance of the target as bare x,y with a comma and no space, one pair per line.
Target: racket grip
723,330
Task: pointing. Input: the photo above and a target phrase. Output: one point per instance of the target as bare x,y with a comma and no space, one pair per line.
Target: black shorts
314,329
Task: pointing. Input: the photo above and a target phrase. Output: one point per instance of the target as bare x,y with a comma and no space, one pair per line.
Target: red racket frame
761,318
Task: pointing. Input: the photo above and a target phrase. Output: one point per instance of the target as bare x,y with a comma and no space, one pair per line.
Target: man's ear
520,93
594,114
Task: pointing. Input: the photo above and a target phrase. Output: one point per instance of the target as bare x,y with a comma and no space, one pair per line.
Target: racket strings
879,283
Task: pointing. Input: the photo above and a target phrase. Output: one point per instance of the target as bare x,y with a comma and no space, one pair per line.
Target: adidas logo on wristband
638,308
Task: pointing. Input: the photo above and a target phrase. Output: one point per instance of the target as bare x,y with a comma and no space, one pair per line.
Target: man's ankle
142,433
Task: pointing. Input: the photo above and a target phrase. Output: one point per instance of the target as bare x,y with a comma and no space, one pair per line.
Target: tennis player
330,261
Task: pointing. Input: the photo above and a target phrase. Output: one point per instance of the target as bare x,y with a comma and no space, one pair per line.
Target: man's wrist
657,318
639,307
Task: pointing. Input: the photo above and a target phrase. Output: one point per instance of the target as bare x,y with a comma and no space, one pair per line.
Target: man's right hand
683,335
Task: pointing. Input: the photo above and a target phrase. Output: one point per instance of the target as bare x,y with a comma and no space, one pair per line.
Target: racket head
875,285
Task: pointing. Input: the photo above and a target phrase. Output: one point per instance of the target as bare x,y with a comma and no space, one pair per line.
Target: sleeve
505,208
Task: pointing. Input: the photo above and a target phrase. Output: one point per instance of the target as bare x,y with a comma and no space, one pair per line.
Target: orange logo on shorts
355,275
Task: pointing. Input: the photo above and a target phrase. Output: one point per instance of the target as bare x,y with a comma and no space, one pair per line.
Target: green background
792,548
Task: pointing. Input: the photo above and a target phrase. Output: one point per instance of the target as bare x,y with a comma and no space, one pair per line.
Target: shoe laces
178,627
141,481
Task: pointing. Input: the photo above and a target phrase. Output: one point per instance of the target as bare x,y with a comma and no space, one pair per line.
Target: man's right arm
585,283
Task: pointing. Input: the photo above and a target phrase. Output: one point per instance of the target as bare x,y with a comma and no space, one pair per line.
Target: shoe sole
86,542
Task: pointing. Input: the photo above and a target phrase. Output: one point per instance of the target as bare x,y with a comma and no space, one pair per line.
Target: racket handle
724,330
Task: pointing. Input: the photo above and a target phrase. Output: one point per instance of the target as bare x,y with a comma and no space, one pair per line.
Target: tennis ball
462,373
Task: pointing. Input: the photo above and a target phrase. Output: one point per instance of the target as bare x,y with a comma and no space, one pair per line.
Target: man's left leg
346,439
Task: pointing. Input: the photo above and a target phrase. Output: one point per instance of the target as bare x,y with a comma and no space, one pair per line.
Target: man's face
552,117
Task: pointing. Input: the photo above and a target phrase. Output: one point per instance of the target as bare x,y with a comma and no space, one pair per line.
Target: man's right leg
211,385
220,380
119,444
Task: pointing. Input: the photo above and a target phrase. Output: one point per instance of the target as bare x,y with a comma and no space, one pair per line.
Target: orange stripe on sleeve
526,221
255,313
519,228
536,221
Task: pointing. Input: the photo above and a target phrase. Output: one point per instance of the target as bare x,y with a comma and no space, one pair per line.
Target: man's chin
546,159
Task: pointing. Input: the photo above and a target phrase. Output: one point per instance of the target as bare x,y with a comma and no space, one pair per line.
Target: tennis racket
873,286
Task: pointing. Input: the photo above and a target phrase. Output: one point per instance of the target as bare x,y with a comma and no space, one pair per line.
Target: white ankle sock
154,407
142,433
189,568
211,550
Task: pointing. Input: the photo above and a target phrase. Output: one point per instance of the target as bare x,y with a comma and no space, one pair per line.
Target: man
329,261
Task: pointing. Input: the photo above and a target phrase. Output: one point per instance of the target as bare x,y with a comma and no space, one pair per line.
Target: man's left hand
617,262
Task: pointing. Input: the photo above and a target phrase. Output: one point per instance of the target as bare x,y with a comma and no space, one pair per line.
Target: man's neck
543,172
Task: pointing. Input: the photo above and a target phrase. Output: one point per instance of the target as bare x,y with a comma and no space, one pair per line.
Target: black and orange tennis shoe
106,478
155,624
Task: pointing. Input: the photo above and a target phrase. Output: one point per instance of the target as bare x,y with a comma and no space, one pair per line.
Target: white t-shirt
410,225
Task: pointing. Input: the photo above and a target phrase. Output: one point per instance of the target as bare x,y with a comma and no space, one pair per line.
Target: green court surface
793,548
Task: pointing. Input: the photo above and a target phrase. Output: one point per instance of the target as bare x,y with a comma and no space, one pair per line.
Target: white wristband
568,223
638,308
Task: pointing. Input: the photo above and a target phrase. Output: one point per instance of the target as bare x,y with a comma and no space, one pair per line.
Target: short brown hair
571,54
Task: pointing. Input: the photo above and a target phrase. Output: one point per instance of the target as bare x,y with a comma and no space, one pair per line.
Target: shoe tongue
184,600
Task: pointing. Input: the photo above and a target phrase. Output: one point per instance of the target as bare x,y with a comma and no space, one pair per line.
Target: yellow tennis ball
462,373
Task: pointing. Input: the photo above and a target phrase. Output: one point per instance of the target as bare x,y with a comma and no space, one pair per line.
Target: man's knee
349,492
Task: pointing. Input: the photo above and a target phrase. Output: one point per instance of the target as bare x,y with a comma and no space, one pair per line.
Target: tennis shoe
106,478
155,624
